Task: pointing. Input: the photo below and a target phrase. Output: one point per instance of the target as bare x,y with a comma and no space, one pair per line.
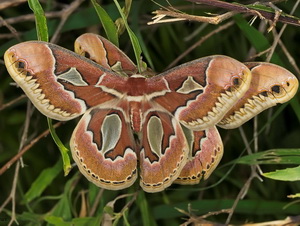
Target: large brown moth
163,123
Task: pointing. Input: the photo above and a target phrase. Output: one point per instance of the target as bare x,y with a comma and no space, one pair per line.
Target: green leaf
107,23
273,156
57,221
40,20
86,221
255,207
82,221
256,38
288,174
42,182
63,207
63,150
134,40
142,202
33,218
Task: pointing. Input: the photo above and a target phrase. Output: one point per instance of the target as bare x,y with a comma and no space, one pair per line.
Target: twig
10,3
25,149
30,17
178,16
277,38
9,35
245,140
65,15
246,9
96,203
200,220
10,28
2,107
203,39
17,169
294,220
242,193
289,56
108,218
246,186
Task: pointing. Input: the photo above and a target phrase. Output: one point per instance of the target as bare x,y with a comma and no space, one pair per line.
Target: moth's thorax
138,85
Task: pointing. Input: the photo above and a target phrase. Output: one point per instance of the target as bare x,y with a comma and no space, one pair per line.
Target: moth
161,127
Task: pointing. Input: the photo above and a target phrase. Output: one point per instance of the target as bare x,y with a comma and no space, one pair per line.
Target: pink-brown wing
270,85
202,91
104,149
206,151
105,53
60,83
164,151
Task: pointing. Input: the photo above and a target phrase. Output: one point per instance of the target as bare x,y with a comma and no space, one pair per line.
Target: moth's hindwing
202,91
103,52
206,151
104,149
270,85
164,151
60,83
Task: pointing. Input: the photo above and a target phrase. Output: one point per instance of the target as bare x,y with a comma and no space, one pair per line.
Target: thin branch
2,107
178,16
10,3
65,15
9,35
294,220
246,186
277,37
200,220
31,17
25,149
10,28
96,203
289,56
17,169
287,19
203,39
242,193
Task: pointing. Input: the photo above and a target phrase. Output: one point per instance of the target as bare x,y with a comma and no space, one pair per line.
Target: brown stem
67,12
25,149
198,43
244,9
2,107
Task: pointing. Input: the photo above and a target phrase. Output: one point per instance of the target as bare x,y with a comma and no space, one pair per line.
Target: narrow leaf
84,221
63,208
134,40
288,174
40,20
57,221
274,156
63,150
43,181
142,202
107,23
256,38
257,207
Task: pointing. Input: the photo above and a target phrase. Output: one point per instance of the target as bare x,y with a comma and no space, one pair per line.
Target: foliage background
38,193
